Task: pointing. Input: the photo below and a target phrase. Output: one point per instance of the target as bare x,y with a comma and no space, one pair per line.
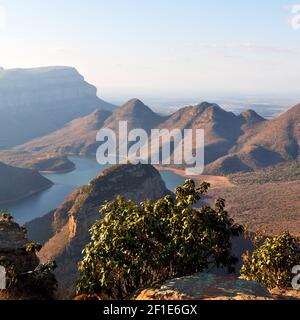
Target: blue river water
64,183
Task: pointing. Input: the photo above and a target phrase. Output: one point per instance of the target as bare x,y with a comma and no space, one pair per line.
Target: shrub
272,263
135,245
42,281
38,284
33,247
6,216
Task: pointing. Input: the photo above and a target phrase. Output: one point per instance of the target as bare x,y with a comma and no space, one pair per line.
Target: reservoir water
64,183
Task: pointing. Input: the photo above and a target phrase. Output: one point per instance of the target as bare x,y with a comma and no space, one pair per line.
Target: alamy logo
162,147
2,278
295,21
296,279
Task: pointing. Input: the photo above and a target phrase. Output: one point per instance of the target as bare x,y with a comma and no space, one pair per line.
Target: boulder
206,286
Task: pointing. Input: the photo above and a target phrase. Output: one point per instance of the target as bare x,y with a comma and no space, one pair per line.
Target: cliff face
21,88
75,217
37,101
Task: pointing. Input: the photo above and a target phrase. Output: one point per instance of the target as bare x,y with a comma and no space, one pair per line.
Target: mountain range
266,144
52,112
233,143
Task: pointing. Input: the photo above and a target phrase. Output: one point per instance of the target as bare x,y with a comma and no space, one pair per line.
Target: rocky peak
251,117
207,105
137,115
134,104
135,107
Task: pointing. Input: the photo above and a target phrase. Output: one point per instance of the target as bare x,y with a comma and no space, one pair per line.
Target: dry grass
275,206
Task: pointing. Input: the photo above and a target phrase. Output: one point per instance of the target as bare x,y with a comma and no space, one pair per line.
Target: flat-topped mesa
35,102
26,87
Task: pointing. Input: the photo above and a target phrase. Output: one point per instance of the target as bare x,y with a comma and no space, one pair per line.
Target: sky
159,47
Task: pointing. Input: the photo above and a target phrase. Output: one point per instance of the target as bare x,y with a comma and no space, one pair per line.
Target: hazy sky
159,46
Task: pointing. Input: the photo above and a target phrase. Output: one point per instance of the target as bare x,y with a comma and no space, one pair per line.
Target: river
64,183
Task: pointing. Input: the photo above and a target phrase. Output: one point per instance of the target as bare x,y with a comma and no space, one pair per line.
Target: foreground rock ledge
207,287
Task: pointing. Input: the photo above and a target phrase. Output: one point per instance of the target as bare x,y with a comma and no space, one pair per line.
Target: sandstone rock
25,278
11,236
206,286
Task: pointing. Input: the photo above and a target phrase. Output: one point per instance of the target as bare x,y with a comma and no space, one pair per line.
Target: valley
251,162
85,168
67,158
149,150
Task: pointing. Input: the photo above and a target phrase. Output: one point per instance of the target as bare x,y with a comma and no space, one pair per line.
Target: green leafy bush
272,263
135,245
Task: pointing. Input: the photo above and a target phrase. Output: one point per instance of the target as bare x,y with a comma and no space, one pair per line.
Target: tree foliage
6,216
272,263
135,245
33,247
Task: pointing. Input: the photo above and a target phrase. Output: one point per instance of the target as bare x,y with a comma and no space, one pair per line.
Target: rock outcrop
80,210
34,102
207,286
13,243
137,115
